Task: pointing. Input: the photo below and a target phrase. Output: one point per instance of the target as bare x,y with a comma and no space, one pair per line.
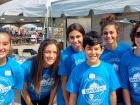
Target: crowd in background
95,69
24,34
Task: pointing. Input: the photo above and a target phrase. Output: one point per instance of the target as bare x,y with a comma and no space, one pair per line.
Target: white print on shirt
114,62
46,83
5,87
94,90
134,78
8,73
116,67
111,60
79,61
91,76
49,81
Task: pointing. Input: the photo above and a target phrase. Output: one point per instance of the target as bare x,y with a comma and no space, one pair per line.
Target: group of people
95,69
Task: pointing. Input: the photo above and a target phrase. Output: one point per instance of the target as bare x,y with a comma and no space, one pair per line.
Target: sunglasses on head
138,34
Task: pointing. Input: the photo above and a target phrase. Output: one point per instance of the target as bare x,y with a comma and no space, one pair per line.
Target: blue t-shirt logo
5,87
134,78
94,90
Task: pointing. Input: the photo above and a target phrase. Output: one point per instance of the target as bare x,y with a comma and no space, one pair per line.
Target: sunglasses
138,34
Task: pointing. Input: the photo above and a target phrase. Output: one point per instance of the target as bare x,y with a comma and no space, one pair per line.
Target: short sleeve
123,73
19,78
64,65
72,84
26,67
114,82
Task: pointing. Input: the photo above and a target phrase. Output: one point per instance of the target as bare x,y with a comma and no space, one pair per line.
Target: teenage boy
93,82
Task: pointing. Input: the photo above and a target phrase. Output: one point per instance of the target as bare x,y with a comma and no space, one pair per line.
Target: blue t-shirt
64,61
63,66
45,84
93,84
11,77
75,60
130,74
113,56
72,59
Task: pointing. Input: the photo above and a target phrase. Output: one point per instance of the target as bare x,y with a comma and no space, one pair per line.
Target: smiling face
137,38
75,39
4,45
93,53
110,34
50,54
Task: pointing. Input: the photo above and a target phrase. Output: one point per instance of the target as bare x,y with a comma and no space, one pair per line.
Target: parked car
31,51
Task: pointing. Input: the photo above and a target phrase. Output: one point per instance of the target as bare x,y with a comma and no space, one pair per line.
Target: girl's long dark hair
38,64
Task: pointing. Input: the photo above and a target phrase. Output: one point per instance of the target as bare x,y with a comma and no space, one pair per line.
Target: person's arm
65,93
113,98
52,94
126,96
25,95
73,99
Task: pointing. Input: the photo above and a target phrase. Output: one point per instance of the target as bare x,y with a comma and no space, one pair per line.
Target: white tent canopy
82,7
19,11
29,8
11,8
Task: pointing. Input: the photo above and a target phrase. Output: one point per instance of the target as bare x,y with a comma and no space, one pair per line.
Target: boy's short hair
92,38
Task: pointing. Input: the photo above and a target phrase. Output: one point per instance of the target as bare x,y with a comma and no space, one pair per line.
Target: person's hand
30,103
50,103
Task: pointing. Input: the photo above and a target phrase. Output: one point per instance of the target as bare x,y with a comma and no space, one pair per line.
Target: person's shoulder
103,63
67,49
127,55
67,52
80,53
13,62
27,62
79,70
124,45
80,66
14,65
78,57
106,65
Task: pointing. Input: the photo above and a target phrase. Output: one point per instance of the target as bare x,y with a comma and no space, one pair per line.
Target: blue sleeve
73,63
72,84
18,77
129,47
123,73
114,82
18,74
26,67
64,65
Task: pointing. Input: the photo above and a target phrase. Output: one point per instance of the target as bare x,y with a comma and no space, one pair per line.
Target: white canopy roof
82,7
29,8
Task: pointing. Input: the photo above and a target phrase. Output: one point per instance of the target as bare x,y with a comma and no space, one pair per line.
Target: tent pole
92,19
64,30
